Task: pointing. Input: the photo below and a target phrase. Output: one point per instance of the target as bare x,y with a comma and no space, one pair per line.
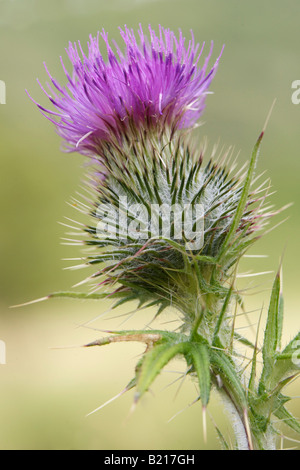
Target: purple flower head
152,85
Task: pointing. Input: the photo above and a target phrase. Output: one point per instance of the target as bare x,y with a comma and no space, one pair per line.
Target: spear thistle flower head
154,84
175,229
167,230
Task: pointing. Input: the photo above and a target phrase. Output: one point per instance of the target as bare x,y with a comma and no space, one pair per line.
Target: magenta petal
154,83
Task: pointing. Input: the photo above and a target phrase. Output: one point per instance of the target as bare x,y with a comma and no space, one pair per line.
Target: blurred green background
46,392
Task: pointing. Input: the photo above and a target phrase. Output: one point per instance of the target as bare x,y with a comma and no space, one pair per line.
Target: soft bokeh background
45,393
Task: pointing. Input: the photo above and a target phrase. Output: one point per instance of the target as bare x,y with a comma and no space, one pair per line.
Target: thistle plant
168,222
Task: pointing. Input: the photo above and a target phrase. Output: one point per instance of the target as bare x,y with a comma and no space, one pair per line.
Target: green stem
238,424
248,435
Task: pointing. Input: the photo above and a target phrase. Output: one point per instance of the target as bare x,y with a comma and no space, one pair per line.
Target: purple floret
153,85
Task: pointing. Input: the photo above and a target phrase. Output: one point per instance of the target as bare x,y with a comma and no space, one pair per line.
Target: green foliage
200,359
162,272
239,213
273,332
213,366
165,171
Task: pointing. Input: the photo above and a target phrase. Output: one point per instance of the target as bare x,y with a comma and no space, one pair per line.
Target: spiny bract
139,234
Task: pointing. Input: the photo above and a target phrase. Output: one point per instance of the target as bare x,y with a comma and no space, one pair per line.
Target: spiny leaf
243,199
154,361
165,335
222,315
78,295
292,346
274,321
280,320
272,335
288,361
223,366
223,442
149,338
201,363
243,340
287,418
69,295
285,382
251,384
